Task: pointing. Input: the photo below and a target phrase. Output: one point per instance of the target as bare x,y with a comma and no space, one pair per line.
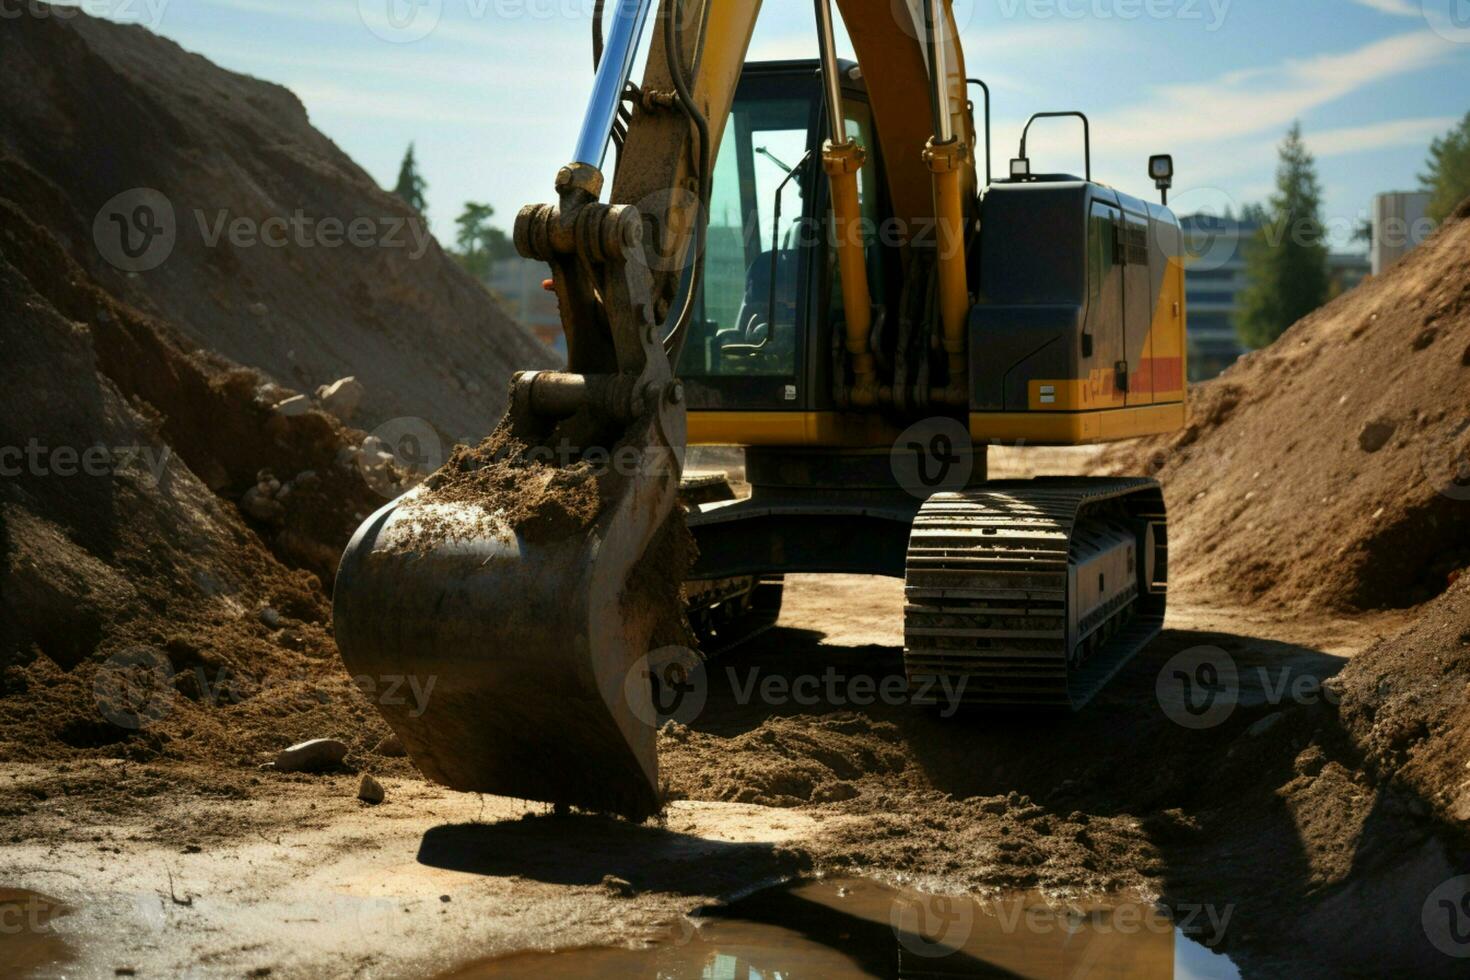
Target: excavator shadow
588,849
1146,722
1185,698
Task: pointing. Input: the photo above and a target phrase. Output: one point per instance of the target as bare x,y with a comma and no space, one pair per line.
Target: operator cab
1076,328
767,254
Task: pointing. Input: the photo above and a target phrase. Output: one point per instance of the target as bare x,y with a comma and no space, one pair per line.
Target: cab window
753,258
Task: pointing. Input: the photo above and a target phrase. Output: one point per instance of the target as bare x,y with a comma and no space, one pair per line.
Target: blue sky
493,93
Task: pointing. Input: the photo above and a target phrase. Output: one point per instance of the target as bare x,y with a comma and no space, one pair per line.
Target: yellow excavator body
806,260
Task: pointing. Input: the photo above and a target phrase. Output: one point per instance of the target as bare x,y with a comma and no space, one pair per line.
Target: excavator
804,259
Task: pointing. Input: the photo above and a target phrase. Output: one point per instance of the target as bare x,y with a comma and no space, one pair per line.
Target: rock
1310,761
342,398
390,746
293,406
270,617
614,885
260,505
314,756
371,791
1375,435
1265,724
259,309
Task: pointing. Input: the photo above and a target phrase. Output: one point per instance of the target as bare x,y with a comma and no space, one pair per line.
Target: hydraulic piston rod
623,35
842,158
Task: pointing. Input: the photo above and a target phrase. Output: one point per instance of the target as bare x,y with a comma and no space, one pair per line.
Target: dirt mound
787,762
246,228
1404,701
140,614
1333,468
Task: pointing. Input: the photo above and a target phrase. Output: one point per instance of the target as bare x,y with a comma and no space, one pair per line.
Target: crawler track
987,591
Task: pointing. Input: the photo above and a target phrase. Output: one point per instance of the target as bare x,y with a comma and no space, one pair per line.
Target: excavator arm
530,579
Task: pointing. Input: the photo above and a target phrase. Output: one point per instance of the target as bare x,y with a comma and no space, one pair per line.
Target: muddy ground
165,868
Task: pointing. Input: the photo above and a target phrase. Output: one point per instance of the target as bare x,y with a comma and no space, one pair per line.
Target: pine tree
411,186
1448,179
474,250
1286,262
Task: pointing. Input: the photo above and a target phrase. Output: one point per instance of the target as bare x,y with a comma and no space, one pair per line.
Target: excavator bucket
527,579
524,603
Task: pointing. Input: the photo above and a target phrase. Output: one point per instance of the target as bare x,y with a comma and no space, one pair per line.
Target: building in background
1346,271
1215,279
518,284
1400,223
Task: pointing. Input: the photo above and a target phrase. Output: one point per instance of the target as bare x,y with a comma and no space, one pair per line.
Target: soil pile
247,229
141,614
1333,468
521,486
1404,701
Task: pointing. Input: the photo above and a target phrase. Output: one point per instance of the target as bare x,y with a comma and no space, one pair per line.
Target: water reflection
858,928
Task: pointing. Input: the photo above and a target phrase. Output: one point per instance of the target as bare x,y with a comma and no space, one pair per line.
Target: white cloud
1377,136
1249,101
1224,131
1398,8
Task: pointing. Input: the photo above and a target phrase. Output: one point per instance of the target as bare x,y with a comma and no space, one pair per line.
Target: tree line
1286,259
479,244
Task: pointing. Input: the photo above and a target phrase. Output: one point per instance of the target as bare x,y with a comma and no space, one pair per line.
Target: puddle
27,941
859,928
